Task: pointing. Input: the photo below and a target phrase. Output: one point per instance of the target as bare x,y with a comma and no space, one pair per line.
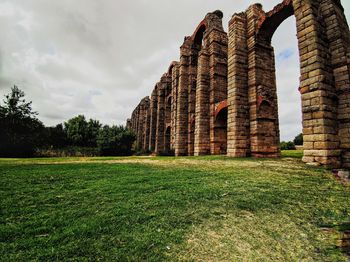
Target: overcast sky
100,57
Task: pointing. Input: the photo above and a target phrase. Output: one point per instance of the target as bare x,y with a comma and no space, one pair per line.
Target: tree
92,132
82,133
76,129
287,145
56,136
21,131
298,140
115,141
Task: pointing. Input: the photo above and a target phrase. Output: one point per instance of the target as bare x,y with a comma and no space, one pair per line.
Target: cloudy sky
100,57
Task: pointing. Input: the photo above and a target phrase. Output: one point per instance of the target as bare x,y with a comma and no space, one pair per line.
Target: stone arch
268,24
265,111
171,67
169,101
198,35
221,131
322,62
220,106
167,142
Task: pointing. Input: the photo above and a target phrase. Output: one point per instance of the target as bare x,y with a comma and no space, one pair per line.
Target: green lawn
169,209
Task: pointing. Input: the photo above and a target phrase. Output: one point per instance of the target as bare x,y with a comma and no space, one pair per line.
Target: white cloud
100,58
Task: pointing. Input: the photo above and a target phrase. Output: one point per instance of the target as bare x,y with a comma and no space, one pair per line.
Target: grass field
170,209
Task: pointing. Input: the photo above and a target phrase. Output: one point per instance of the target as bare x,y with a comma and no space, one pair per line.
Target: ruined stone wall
221,97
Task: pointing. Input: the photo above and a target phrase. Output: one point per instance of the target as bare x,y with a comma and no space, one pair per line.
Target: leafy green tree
298,140
20,132
56,136
93,128
81,132
115,141
76,129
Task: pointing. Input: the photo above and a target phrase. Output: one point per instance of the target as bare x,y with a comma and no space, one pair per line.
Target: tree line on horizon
22,134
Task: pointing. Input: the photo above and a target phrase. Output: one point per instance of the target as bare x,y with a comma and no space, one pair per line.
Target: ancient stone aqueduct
220,98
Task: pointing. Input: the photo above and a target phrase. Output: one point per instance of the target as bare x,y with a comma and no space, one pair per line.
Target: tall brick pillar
181,138
167,82
159,147
338,36
202,127
238,136
174,92
153,119
139,128
262,93
217,43
147,123
192,85
319,99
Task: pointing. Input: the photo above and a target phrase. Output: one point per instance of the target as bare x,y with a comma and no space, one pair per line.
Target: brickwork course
220,97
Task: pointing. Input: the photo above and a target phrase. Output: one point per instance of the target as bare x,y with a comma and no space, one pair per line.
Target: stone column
264,126
147,126
238,110
139,129
202,134
160,119
153,119
216,40
337,31
174,91
316,87
181,146
192,85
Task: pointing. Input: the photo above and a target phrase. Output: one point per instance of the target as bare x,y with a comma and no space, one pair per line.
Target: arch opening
220,128
198,37
274,19
167,141
279,101
287,68
168,111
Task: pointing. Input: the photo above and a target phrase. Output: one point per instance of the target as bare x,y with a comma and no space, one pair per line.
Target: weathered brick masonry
220,98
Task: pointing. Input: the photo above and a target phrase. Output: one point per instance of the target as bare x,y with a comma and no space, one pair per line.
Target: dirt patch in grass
261,236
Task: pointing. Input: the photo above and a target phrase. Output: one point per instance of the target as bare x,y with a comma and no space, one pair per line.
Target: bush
287,145
70,151
298,140
115,141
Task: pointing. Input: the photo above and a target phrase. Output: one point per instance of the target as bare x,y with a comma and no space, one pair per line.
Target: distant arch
220,130
269,23
198,34
220,107
167,139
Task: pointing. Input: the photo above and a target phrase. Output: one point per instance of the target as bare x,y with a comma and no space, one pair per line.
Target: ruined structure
220,98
